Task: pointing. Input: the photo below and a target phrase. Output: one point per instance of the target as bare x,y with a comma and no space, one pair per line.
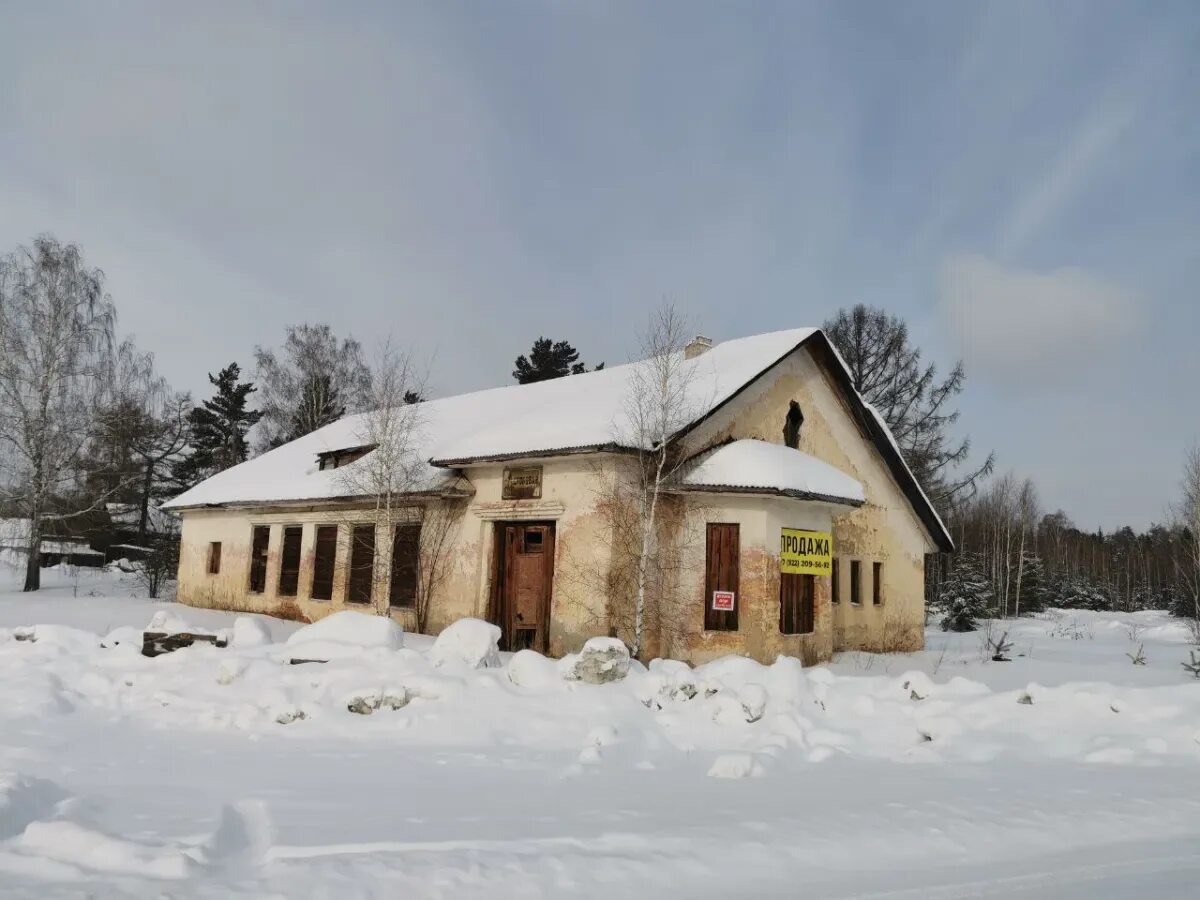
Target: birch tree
1187,513
658,403
396,478
56,343
314,379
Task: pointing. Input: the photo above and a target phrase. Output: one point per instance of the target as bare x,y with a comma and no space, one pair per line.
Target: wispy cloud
1066,175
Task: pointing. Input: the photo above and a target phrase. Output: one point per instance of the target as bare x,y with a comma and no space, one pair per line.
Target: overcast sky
1019,181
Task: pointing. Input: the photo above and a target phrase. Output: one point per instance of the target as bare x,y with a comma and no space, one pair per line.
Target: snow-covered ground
1068,772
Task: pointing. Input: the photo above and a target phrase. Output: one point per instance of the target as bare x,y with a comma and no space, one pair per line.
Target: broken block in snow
602,659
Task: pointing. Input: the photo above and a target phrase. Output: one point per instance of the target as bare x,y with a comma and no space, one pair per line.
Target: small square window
533,541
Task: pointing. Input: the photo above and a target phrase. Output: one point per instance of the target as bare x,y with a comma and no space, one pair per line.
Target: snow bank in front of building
459,692
345,635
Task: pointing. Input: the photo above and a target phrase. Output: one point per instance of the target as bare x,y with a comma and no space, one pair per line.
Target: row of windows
402,581
856,582
797,593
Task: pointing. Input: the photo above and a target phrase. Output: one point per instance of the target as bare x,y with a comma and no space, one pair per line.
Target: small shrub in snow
754,701
1194,665
999,648
602,659
472,643
1138,656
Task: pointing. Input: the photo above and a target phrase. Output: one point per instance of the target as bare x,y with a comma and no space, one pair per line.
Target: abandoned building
788,521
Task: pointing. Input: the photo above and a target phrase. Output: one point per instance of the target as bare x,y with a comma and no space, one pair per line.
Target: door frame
499,604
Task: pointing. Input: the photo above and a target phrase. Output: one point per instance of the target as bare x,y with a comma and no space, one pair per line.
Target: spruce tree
965,595
549,359
218,429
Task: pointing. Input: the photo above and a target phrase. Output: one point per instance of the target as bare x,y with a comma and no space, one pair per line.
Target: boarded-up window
214,558
289,561
362,564
259,544
406,541
721,578
877,584
797,603
324,560
855,582
835,583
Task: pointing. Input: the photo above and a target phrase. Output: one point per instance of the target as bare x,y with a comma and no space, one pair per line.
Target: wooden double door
522,580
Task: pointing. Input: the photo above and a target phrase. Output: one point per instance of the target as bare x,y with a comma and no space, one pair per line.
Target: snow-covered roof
756,466
577,412
562,415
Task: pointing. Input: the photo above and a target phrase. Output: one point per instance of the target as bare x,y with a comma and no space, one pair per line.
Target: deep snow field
1068,772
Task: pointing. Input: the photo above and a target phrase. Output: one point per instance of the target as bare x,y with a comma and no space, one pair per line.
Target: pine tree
1034,586
218,429
549,359
966,595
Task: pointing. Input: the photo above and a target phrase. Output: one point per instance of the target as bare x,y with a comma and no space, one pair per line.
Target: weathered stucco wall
885,529
572,490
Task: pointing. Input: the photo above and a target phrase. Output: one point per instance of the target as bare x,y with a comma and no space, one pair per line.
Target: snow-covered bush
472,643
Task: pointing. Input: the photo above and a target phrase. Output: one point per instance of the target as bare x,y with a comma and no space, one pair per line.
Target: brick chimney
696,346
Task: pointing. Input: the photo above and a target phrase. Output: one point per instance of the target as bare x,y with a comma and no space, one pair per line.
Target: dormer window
335,459
791,426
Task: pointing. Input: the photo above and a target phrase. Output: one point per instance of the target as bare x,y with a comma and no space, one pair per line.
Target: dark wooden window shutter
855,582
324,560
877,583
406,543
797,603
362,564
289,561
721,574
835,583
214,558
259,544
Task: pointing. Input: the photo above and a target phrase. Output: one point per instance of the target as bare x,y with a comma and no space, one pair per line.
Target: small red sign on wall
722,601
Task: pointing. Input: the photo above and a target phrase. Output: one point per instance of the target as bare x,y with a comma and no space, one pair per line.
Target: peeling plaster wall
759,521
884,529
572,488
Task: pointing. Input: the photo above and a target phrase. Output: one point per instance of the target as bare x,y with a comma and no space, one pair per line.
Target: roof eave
485,459
770,492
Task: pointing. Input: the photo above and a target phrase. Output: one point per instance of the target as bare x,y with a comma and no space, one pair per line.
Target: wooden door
523,579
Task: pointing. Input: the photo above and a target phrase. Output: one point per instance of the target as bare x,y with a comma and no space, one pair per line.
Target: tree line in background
1012,556
86,420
